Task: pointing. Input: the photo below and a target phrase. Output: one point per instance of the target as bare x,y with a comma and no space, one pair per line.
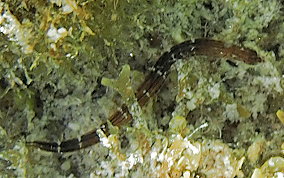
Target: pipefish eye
154,39
231,63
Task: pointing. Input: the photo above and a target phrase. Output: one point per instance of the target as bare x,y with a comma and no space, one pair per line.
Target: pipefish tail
152,84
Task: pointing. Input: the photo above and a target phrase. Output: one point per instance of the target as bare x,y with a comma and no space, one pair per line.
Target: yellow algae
218,160
273,167
177,124
280,115
243,112
122,84
179,157
256,149
257,173
184,157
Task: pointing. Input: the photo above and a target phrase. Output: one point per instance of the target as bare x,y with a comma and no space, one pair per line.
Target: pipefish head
215,48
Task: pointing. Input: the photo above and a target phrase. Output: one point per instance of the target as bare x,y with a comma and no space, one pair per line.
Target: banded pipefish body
152,84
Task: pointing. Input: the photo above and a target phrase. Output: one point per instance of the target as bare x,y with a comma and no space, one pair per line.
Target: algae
54,54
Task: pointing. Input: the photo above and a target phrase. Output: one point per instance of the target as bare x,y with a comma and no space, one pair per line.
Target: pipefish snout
152,84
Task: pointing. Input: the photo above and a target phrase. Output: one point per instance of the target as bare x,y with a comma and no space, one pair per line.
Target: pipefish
152,84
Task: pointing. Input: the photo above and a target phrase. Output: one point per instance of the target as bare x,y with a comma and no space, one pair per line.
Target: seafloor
212,118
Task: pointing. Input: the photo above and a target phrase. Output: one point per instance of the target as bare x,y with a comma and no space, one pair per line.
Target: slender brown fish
152,84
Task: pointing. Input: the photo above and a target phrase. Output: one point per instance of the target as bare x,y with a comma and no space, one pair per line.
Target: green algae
122,85
53,60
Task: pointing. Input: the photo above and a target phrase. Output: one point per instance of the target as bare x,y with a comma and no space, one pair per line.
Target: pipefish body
152,84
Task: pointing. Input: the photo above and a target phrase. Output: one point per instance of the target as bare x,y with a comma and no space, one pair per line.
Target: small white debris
154,155
232,112
104,139
74,126
159,72
269,82
214,91
105,142
279,174
271,163
194,149
68,6
66,165
56,34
